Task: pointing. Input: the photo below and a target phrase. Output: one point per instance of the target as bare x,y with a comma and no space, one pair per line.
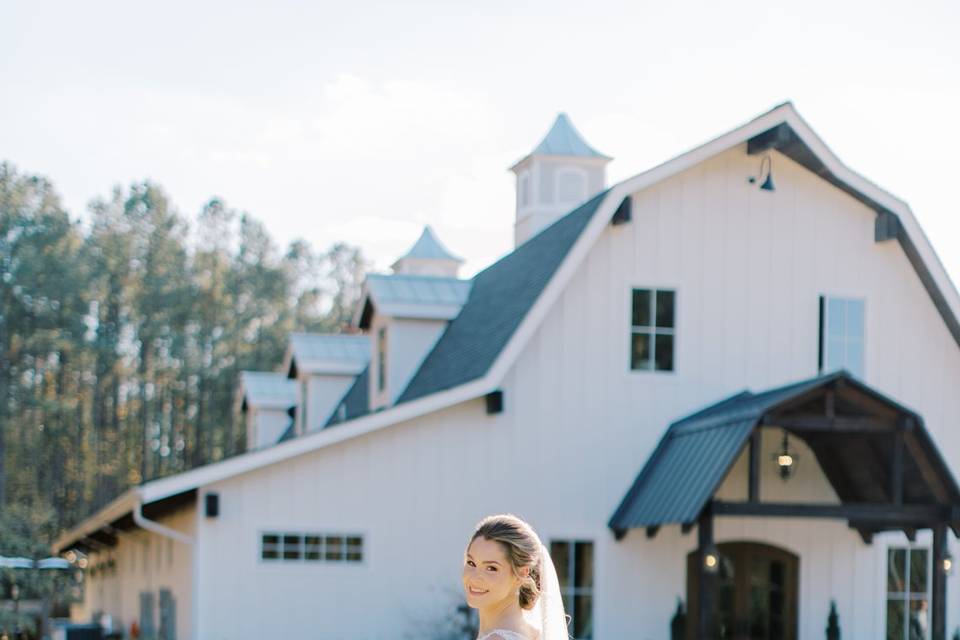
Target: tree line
122,336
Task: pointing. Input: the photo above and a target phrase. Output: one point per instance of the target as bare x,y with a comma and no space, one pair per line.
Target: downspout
149,525
156,527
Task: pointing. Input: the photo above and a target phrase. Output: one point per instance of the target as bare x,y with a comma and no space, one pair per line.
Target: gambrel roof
509,299
502,295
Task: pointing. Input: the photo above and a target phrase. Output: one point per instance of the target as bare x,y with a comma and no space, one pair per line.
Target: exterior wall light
711,560
768,182
947,564
786,460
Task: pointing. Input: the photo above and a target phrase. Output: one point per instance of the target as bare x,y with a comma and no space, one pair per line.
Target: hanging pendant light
786,460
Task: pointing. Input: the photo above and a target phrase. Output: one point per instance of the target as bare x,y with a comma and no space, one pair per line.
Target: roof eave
120,506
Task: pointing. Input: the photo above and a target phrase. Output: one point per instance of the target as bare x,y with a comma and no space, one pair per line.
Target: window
292,546
574,563
841,335
382,359
908,571
524,189
652,329
311,547
270,546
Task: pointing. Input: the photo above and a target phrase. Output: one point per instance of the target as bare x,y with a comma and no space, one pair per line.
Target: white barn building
729,380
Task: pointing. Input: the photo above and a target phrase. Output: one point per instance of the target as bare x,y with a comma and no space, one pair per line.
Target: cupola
428,257
561,172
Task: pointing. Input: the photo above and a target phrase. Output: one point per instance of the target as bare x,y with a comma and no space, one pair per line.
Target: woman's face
487,575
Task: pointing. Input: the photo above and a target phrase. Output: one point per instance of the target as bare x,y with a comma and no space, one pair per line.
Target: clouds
363,122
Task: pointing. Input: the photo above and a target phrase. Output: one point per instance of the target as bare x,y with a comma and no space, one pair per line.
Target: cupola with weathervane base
562,172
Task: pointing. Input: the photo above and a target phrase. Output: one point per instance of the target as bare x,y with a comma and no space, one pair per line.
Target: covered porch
880,472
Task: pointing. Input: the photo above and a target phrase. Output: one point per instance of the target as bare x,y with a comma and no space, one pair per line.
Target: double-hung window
908,581
652,329
842,335
573,561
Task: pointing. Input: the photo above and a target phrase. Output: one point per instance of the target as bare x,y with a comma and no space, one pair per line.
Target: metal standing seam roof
429,247
318,347
563,139
268,390
500,297
417,289
695,454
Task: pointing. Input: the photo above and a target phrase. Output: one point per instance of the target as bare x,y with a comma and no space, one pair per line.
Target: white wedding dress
504,634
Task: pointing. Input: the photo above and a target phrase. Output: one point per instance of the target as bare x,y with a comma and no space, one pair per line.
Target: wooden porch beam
939,591
753,478
799,423
706,586
929,474
874,513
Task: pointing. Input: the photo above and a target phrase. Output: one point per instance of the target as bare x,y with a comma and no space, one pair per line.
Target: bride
509,578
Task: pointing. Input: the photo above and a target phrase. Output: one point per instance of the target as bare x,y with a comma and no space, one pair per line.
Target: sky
363,121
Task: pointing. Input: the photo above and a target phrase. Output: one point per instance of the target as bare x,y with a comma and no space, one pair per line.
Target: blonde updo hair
522,547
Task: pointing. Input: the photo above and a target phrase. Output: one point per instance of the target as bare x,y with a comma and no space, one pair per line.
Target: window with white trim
311,547
842,335
908,583
652,330
573,560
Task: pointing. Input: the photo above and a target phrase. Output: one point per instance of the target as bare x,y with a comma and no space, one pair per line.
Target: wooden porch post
939,604
706,587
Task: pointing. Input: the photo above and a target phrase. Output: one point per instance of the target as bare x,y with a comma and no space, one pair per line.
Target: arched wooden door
756,593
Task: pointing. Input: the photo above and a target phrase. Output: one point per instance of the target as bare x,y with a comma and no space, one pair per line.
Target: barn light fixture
767,184
786,460
711,559
947,564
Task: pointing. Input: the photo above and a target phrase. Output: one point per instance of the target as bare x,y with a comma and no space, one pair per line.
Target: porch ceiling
873,451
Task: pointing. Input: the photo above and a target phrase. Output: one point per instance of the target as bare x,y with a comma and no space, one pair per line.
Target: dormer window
524,190
382,359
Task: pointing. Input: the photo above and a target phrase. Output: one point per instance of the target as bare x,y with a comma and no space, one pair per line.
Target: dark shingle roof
501,296
355,402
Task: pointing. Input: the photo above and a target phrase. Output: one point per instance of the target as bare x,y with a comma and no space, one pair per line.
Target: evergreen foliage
121,340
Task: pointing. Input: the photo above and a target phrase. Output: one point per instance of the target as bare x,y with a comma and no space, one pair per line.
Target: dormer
428,257
563,171
323,367
265,399
404,315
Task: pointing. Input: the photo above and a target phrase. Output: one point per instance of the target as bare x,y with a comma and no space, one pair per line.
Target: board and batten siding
748,267
144,562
